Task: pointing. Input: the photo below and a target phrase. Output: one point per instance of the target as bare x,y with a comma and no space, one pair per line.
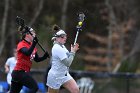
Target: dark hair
23,31
55,28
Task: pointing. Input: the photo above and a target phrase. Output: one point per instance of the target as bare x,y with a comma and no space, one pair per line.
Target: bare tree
121,18
4,22
37,12
64,10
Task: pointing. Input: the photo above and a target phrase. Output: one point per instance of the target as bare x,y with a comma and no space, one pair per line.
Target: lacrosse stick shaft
41,47
38,43
76,37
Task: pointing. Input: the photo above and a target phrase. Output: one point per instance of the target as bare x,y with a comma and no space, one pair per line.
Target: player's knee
75,90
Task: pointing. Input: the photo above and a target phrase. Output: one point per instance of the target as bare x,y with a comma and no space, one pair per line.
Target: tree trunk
3,30
37,12
64,10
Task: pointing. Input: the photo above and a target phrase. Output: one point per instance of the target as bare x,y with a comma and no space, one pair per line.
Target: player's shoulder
21,42
57,47
11,57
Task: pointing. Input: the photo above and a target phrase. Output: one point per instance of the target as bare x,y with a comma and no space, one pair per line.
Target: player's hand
74,48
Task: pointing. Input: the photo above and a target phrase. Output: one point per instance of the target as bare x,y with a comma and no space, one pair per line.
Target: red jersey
24,62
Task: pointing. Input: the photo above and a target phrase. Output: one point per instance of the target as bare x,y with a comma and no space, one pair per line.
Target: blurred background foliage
109,41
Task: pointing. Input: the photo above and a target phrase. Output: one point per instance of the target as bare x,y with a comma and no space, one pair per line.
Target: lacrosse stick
81,17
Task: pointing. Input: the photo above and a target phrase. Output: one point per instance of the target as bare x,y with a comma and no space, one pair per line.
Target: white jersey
58,74
59,52
11,62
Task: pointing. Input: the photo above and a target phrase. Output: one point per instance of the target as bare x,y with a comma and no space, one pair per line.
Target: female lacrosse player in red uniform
26,52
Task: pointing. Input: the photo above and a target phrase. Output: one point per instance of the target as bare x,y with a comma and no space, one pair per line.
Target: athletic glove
35,40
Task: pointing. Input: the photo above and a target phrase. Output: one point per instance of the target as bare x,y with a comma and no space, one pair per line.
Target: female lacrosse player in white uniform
61,60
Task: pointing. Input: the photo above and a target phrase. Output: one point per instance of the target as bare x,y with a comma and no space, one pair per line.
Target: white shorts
9,78
56,80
